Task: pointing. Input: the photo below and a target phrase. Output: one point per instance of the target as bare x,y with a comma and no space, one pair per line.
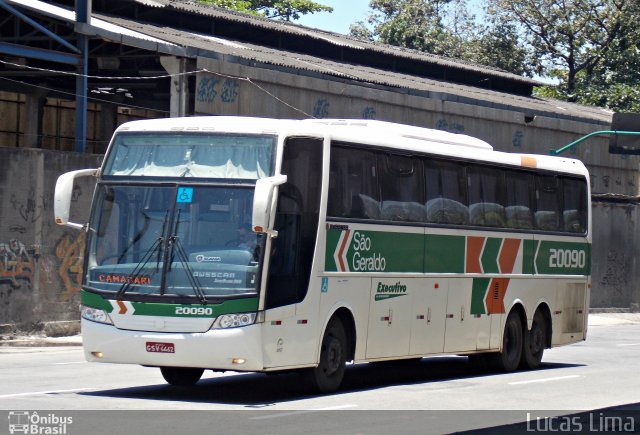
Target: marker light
95,315
234,320
97,354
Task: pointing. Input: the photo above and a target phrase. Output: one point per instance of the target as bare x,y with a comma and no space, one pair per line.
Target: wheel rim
512,338
537,339
333,361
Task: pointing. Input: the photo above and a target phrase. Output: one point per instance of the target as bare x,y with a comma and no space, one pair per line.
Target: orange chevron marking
495,295
123,307
508,254
474,249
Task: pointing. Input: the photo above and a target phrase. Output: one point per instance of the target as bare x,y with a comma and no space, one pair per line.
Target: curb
62,328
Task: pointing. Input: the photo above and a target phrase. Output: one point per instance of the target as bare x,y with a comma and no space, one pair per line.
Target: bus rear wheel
328,375
512,344
534,342
181,376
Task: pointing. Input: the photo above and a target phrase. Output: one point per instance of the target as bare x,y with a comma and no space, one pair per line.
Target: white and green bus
246,244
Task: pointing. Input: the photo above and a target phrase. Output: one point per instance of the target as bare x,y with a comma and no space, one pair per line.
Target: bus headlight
234,320
95,315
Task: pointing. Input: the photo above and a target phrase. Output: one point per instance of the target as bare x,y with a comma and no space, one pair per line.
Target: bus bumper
237,349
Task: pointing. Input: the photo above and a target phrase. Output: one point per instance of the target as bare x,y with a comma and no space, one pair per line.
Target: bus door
288,335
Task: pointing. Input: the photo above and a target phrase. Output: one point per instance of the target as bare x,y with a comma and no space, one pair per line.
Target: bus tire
512,344
534,342
181,376
328,375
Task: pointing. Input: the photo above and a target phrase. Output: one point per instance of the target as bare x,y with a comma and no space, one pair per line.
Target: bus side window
547,215
486,203
401,188
445,187
353,185
518,200
574,194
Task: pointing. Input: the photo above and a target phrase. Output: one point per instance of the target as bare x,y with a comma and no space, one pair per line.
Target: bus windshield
200,155
173,240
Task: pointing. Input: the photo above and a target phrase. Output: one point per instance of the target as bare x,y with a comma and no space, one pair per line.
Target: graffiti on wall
15,263
321,109
28,209
518,137
369,113
210,87
452,127
69,251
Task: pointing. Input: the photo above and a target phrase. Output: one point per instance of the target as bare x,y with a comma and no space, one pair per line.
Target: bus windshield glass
200,155
173,240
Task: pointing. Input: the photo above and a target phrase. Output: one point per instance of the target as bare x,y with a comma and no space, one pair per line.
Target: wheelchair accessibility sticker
185,194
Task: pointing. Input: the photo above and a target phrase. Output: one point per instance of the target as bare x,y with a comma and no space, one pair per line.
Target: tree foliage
280,9
446,28
574,36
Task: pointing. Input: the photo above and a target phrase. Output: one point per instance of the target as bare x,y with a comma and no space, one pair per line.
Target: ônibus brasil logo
354,254
27,422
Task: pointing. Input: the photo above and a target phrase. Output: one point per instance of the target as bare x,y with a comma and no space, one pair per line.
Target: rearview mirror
64,193
263,202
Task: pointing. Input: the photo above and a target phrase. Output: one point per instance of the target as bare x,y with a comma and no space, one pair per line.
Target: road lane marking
35,393
306,411
533,381
67,363
628,344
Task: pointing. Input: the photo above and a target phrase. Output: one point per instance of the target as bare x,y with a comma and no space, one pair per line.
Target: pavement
42,340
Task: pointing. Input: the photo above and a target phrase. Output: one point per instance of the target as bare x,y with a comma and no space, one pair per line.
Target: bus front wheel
181,376
512,344
534,342
328,375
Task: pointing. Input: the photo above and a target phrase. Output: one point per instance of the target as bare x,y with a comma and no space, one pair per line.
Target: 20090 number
194,311
568,258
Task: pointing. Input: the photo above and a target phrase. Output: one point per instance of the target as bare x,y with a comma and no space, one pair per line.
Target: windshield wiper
176,246
140,266
157,245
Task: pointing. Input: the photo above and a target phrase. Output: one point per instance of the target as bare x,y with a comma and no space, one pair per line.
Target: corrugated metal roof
334,38
208,46
63,14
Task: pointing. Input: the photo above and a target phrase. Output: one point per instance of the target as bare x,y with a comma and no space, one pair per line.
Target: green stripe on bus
94,301
563,258
444,254
244,305
478,295
490,255
350,250
528,255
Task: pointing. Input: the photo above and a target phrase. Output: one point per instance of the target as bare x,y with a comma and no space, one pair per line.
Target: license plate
153,346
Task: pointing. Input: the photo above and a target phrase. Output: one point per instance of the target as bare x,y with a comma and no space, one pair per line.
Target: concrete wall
40,262
616,268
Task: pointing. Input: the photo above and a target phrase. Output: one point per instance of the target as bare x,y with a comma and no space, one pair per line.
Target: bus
264,245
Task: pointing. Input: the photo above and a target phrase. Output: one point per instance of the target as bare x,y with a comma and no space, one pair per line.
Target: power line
131,106
203,70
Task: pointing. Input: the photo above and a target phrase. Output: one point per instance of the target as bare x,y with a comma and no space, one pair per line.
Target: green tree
569,38
281,9
445,28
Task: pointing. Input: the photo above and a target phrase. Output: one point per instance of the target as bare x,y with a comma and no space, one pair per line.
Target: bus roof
362,131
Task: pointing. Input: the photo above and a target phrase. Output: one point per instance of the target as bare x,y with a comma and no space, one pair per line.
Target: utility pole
83,16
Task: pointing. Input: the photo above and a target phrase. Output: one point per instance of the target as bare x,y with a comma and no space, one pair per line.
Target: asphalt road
436,395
